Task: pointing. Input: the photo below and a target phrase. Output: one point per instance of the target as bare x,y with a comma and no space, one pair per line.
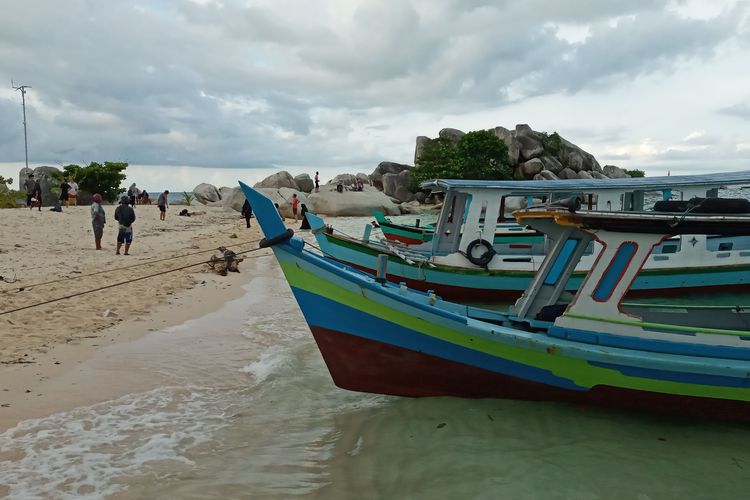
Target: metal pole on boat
382,268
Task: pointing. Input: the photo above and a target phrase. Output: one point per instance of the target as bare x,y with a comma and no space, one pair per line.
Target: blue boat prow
265,212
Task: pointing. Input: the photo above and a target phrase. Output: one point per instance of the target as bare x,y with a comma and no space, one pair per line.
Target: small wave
86,453
271,361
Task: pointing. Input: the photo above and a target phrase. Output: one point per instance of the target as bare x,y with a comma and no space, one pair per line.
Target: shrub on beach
9,198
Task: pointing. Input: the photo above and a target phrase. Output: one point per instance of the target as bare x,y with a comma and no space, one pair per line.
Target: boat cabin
468,203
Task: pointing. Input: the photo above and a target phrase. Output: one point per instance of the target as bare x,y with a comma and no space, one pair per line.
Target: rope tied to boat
267,243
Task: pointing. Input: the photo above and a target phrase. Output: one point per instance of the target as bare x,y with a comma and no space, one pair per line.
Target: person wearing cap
125,215
98,219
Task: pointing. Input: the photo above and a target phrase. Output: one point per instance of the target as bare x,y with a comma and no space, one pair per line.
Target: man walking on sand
163,203
125,215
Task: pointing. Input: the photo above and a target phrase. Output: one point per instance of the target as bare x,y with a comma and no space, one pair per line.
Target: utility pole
23,88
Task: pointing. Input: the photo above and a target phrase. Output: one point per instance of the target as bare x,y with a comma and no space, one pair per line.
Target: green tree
551,143
478,155
104,179
635,173
9,198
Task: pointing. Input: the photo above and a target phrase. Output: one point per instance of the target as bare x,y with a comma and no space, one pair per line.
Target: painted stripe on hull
478,284
322,312
366,365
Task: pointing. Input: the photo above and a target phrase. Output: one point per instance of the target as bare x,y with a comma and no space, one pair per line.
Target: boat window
617,267
672,245
727,243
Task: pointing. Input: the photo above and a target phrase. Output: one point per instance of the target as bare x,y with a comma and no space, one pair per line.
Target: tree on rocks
477,155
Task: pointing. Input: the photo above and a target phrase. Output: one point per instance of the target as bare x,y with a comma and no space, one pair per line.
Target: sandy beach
51,256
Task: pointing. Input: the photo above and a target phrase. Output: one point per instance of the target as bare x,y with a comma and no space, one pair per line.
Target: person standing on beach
38,194
29,184
64,189
295,204
98,219
133,193
125,215
305,224
163,203
278,209
73,193
247,212
317,182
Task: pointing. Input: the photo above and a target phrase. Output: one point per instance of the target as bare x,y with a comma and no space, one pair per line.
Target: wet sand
41,348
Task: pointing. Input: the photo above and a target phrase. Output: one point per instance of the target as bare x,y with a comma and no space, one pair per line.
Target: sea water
242,406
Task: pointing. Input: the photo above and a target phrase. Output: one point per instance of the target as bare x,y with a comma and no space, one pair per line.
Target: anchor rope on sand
112,285
138,264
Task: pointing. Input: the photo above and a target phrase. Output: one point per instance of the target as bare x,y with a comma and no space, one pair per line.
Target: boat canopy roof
568,185
638,222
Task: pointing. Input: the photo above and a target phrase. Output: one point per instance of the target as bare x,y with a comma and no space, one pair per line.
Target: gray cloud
235,85
739,110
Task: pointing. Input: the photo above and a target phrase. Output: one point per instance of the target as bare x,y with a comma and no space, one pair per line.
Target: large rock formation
49,180
386,167
283,197
421,141
614,172
233,198
452,135
398,186
354,203
206,193
304,183
528,149
345,179
278,180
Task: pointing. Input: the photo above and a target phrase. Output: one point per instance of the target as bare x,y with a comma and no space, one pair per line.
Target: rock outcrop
49,180
345,179
206,193
304,183
386,167
531,152
353,203
398,186
614,172
278,180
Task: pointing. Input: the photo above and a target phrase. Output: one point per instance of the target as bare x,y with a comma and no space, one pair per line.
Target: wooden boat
383,338
419,236
409,234
460,264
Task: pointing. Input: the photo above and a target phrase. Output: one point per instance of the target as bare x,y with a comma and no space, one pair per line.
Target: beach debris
227,262
233,235
8,280
109,313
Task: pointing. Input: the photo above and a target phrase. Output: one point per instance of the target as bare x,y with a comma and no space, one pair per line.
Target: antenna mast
23,88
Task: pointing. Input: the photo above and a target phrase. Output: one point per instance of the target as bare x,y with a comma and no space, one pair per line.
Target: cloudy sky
341,85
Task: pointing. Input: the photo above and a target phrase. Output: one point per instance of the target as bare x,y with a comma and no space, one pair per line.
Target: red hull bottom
403,239
364,365
483,294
